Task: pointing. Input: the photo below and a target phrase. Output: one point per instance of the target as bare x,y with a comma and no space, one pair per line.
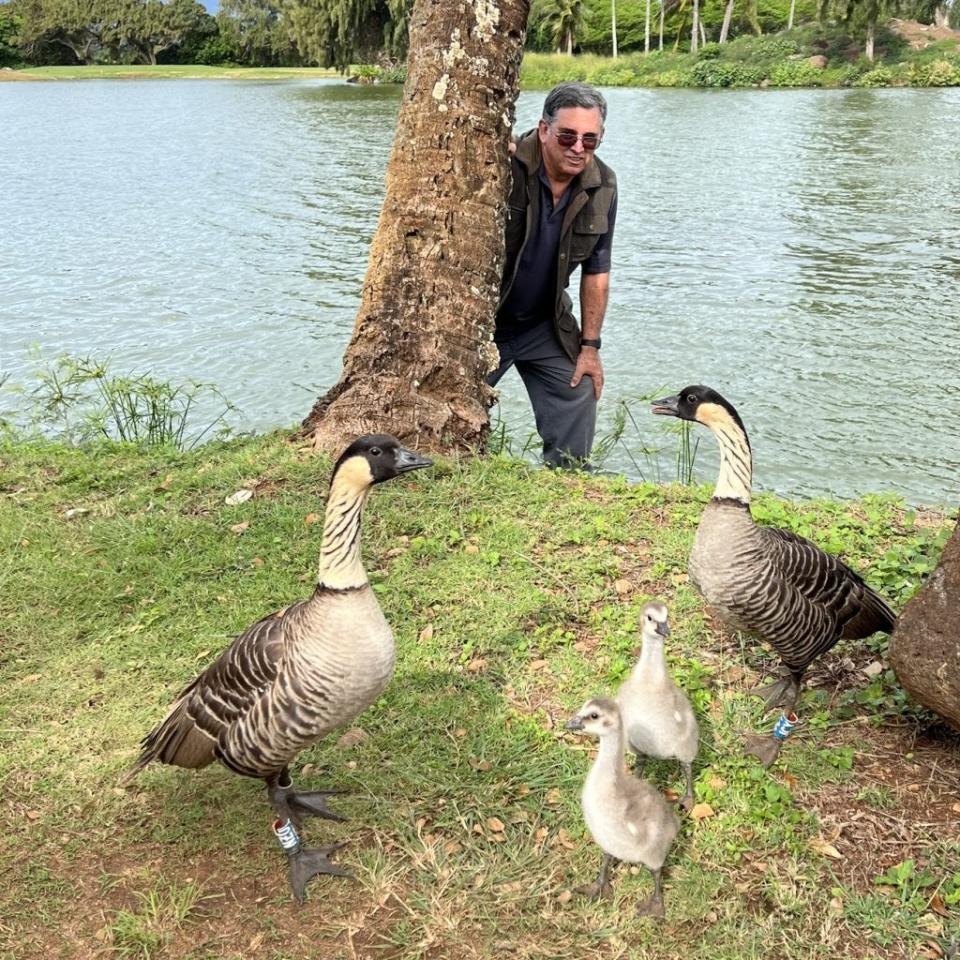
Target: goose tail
874,616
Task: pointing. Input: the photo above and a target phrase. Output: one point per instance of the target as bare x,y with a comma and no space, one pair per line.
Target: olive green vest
584,222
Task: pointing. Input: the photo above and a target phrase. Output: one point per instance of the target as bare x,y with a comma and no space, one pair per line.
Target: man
562,208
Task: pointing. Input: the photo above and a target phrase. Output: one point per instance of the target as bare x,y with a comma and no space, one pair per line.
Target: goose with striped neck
764,580
297,674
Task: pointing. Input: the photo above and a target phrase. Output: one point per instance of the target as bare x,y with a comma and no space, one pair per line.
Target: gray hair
575,94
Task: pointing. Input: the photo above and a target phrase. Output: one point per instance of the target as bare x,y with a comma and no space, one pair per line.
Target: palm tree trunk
868,45
793,7
421,344
660,47
646,31
695,28
613,24
941,15
727,17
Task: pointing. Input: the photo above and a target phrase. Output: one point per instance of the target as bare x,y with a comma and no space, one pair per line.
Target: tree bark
660,45
941,15
646,31
695,28
793,6
868,45
421,344
613,25
727,17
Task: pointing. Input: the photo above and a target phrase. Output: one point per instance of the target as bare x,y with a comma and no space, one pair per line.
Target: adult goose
764,580
297,674
627,816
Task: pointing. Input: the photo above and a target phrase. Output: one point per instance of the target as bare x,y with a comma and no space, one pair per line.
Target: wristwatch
584,342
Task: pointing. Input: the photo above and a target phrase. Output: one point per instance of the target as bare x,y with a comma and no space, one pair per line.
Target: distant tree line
341,32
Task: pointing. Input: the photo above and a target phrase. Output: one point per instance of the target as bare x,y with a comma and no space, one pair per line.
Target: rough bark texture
925,646
421,343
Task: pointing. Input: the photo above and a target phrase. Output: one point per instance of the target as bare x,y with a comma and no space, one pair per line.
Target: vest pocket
586,232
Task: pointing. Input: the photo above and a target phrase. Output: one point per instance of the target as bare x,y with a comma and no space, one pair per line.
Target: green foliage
724,73
256,33
9,29
796,73
937,73
909,883
557,24
78,400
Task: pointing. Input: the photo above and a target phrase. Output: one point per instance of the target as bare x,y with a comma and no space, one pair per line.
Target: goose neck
735,477
652,664
608,765
340,561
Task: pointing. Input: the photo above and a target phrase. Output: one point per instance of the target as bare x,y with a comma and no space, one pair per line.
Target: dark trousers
566,416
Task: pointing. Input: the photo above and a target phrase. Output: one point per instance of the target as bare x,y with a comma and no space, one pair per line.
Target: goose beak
663,629
667,407
574,723
407,460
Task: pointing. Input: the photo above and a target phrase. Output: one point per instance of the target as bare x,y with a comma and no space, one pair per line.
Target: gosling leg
639,762
686,801
601,888
653,905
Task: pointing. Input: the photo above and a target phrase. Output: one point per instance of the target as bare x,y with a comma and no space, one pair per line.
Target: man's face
565,162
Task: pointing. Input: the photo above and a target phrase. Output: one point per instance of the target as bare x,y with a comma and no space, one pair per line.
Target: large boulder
925,646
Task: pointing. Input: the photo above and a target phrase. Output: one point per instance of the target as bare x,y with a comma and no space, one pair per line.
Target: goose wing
819,598
226,690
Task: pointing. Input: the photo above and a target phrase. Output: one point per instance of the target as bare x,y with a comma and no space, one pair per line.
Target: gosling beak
574,723
407,460
667,407
663,629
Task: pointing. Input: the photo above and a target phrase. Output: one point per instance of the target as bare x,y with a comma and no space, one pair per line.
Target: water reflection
798,250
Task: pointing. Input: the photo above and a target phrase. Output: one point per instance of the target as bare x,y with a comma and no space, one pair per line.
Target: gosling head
374,458
654,621
599,717
699,403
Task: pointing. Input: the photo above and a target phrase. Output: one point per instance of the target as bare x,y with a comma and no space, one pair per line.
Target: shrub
938,73
877,77
721,73
796,73
674,78
709,51
612,76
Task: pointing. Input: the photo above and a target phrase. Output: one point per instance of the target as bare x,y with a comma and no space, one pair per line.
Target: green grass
514,595
167,71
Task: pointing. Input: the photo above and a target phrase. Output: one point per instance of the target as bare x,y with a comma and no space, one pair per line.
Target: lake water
797,250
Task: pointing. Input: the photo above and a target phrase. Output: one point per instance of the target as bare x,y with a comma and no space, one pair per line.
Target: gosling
627,817
657,716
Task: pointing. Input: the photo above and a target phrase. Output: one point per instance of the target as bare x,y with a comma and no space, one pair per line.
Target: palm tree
561,20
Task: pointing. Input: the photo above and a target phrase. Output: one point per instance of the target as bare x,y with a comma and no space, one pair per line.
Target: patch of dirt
921,35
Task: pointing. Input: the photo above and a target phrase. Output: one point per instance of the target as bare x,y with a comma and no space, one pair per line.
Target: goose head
654,620
700,404
599,717
375,458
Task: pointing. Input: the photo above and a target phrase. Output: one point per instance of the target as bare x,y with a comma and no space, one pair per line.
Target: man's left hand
589,365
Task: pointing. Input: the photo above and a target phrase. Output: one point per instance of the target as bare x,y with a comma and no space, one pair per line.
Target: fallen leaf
352,737
312,518
451,846
932,950
33,814
825,848
257,562
873,669
498,837
622,586
478,829
241,496
553,796
938,906
426,633
480,764
701,811
565,840
565,896
914,787
32,677
75,512
671,795
792,781
496,825
308,769
240,527
460,732
540,834
523,790
477,665
716,783
538,664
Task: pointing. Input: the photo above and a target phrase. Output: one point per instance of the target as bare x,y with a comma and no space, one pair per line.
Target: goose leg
303,863
601,888
783,692
686,801
653,906
766,747
639,762
300,804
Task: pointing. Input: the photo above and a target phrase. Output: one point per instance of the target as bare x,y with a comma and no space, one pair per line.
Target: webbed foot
764,747
686,802
595,890
306,863
312,804
653,907
783,692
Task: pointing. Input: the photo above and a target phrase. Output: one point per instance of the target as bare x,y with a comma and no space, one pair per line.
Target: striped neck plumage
736,464
341,567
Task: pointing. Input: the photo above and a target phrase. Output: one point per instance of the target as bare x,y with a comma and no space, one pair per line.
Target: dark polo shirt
530,300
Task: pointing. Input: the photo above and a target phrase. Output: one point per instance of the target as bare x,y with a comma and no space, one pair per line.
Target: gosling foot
762,746
306,863
595,890
686,802
653,907
781,693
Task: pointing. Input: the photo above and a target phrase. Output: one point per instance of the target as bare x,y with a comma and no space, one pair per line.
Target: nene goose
627,817
297,674
657,717
764,580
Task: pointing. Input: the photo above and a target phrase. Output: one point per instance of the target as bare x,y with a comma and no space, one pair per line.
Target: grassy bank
188,71
514,595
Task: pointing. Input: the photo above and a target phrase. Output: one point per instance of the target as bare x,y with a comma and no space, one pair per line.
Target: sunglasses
567,138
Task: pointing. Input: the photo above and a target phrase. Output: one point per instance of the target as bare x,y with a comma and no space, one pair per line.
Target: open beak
574,723
667,407
407,460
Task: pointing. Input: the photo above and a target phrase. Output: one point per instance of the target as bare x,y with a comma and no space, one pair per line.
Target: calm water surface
797,250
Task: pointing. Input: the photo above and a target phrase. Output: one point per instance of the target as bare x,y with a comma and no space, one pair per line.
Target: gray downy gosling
767,581
626,816
657,716
297,674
